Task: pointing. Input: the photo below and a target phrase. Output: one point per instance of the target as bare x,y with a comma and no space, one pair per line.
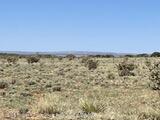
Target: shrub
3,84
31,82
88,106
98,56
148,63
60,58
102,56
13,81
12,59
48,85
109,56
56,88
155,54
84,59
129,55
70,56
25,94
143,55
147,116
3,93
111,76
155,76
23,110
50,104
45,56
126,68
91,64
33,59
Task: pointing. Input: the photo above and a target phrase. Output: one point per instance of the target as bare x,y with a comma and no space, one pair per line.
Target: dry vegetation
84,88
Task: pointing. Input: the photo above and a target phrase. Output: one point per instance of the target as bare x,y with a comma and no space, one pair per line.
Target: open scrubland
85,88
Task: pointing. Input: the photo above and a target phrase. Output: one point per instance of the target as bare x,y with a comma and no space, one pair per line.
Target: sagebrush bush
126,68
111,76
147,116
84,59
3,84
33,59
56,88
91,64
12,59
148,63
70,56
155,76
60,58
31,82
88,106
23,110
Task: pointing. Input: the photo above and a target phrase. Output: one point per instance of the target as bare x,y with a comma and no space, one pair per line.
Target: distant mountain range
64,53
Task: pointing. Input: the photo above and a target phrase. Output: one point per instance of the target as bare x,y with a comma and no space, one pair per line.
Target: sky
126,26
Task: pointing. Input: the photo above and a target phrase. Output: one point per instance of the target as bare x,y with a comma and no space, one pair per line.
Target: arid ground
67,89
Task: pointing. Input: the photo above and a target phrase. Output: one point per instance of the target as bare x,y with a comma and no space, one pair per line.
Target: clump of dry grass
49,104
90,106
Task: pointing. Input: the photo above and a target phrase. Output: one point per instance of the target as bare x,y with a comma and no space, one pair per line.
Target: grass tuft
49,104
89,106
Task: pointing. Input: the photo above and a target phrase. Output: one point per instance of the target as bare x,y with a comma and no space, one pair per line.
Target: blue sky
80,25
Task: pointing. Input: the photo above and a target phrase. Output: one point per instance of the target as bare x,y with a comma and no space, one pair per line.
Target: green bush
155,54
